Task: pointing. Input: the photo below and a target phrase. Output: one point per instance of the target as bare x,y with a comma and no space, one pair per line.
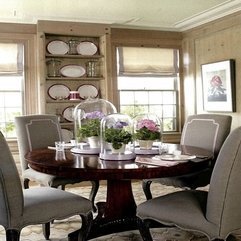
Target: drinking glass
60,153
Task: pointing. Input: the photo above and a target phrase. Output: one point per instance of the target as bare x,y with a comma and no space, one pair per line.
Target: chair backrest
207,131
223,204
11,194
36,131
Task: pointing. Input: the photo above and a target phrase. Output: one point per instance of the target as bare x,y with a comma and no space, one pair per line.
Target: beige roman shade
148,61
11,56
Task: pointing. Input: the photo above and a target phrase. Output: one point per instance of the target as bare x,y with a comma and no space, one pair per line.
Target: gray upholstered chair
207,131
41,131
39,205
215,213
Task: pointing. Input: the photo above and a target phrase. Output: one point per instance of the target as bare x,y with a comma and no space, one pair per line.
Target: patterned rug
60,229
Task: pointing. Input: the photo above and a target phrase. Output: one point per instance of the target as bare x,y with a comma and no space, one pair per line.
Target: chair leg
12,235
46,230
144,230
146,186
94,190
26,183
85,227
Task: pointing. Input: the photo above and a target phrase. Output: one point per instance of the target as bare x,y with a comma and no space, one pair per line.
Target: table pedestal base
118,214
105,228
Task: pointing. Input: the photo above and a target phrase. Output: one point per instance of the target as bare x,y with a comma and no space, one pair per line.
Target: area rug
60,229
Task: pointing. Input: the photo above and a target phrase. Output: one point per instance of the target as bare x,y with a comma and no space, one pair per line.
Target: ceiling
172,15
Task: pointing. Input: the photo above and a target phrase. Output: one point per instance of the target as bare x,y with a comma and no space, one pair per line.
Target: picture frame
218,81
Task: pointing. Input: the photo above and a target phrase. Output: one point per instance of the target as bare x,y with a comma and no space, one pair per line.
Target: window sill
13,145
172,137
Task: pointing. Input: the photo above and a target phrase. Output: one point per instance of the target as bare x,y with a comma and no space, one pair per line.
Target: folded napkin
156,161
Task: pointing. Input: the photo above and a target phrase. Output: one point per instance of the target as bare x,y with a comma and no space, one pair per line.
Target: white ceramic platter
72,70
58,92
87,91
68,113
57,47
86,48
67,135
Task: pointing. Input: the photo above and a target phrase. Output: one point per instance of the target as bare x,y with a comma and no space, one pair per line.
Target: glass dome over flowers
117,137
147,133
87,118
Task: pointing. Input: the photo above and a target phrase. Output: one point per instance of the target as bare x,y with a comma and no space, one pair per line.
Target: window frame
30,88
175,89
131,41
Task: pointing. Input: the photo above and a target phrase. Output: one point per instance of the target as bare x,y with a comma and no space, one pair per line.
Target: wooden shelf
74,56
72,78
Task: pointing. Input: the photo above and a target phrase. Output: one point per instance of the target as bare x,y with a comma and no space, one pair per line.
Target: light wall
213,42
218,40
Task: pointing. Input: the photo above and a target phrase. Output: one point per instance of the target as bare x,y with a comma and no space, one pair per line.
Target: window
11,86
148,81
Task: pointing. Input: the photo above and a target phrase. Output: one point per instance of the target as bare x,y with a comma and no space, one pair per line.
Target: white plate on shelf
58,91
68,113
67,135
72,70
87,91
58,47
87,48
171,157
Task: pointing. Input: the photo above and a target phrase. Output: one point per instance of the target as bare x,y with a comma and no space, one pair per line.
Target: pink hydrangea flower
149,124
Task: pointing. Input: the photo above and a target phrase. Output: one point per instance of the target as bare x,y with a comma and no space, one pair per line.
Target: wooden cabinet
62,67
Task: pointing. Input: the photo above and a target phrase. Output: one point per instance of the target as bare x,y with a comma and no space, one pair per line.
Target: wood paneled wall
215,41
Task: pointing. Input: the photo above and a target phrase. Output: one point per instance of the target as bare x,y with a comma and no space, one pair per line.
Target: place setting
166,157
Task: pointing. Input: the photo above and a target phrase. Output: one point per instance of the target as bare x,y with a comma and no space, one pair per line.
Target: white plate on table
72,70
87,48
57,47
66,146
85,150
153,151
58,91
87,91
171,157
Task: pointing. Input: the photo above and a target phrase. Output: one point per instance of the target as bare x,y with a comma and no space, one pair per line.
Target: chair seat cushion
47,179
43,204
184,208
189,181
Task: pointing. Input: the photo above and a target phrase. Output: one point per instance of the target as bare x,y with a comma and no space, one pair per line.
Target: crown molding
222,10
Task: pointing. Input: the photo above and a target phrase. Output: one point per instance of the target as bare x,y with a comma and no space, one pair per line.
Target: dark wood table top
91,167
118,213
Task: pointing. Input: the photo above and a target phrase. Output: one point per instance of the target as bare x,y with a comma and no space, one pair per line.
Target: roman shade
11,58
147,61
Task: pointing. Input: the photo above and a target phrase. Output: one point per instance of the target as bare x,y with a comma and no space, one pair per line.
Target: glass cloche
117,137
87,118
147,133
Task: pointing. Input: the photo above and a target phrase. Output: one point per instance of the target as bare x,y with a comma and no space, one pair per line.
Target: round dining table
118,213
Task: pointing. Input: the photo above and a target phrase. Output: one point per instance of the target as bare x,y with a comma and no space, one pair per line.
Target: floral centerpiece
117,135
146,132
91,127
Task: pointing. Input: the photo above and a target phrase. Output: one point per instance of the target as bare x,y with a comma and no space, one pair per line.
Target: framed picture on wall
218,81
